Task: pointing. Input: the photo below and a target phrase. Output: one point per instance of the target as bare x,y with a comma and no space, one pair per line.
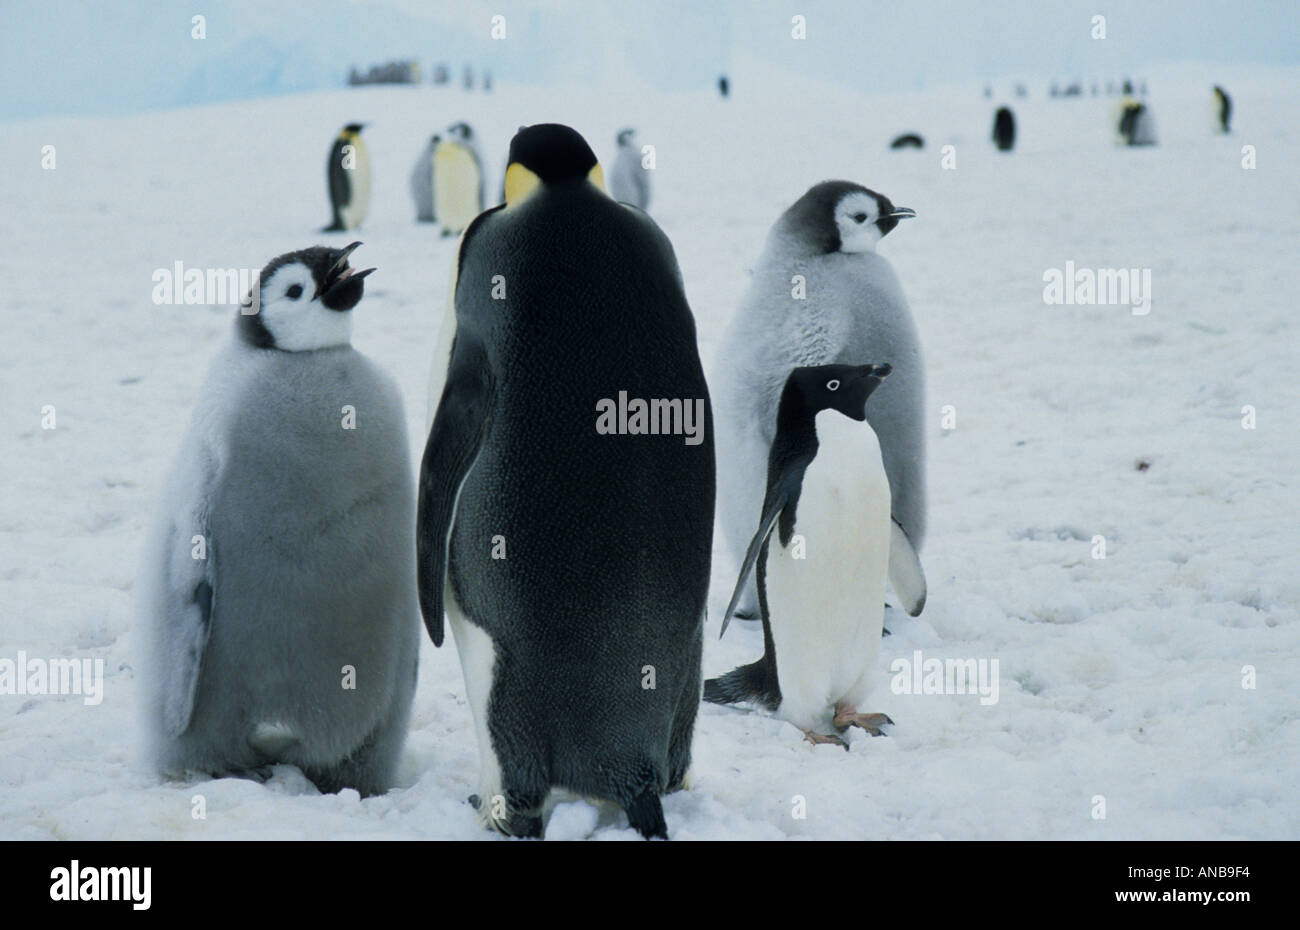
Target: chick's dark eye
860,217
294,291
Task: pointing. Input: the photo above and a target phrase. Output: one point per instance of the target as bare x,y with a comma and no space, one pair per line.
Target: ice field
1120,678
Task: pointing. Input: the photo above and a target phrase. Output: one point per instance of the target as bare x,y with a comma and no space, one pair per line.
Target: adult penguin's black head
845,388
549,154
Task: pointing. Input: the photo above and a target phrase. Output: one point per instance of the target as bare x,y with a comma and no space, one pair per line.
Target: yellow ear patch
520,183
597,177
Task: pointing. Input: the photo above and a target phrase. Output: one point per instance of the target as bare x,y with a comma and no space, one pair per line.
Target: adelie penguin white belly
821,555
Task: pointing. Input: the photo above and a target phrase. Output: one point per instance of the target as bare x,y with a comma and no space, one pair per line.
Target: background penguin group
293,640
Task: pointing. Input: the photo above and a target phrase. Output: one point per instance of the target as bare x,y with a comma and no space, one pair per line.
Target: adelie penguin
1004,129
572,564
820,294
457,180
820,553
348,174
279,599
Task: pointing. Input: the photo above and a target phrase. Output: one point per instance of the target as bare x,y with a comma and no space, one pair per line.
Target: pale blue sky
83,56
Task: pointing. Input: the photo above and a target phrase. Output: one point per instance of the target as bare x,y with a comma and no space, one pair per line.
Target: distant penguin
908,140
820,295
1136,126
279,587
724,86
1222,110
348,173
568,544
629,182
457,180
821,575
1004,130
422,183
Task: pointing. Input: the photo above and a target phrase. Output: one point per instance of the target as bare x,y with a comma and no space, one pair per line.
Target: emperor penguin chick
629,182
820,295
279,590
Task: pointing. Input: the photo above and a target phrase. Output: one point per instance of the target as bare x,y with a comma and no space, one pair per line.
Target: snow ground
1120,677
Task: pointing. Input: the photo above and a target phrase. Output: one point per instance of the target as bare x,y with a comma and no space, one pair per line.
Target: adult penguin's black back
576,560
340,185
1004,129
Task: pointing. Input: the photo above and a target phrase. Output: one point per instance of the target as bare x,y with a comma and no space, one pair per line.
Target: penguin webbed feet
846,717
819,739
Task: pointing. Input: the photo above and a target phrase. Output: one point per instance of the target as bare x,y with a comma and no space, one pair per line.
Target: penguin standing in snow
1136,125
457,180
821,575
820,294
1004,129
1222,110
279,588
348,173
569,548
629,182
422,183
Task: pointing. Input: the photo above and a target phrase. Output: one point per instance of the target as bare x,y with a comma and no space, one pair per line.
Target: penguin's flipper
778,496
905,572
184,633
459,426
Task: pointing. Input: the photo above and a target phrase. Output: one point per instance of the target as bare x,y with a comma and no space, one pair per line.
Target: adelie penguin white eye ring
833,384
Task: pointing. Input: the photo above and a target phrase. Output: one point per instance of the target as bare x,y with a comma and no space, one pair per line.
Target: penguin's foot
848,717
818,739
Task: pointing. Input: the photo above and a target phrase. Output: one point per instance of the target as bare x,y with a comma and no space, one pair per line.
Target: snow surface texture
1119,677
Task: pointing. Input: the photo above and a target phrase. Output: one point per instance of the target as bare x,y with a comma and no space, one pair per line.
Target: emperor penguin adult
348,173
819,295
457,179
1004,129
1136,127
566,493
279,600
1222,110
422,183
629,182
820,555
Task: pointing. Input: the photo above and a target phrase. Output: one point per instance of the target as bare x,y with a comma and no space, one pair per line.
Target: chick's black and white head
844,388
304,301
460,132
840,216
626,138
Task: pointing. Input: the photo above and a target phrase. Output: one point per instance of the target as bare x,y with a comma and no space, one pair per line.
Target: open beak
340,271
343,284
